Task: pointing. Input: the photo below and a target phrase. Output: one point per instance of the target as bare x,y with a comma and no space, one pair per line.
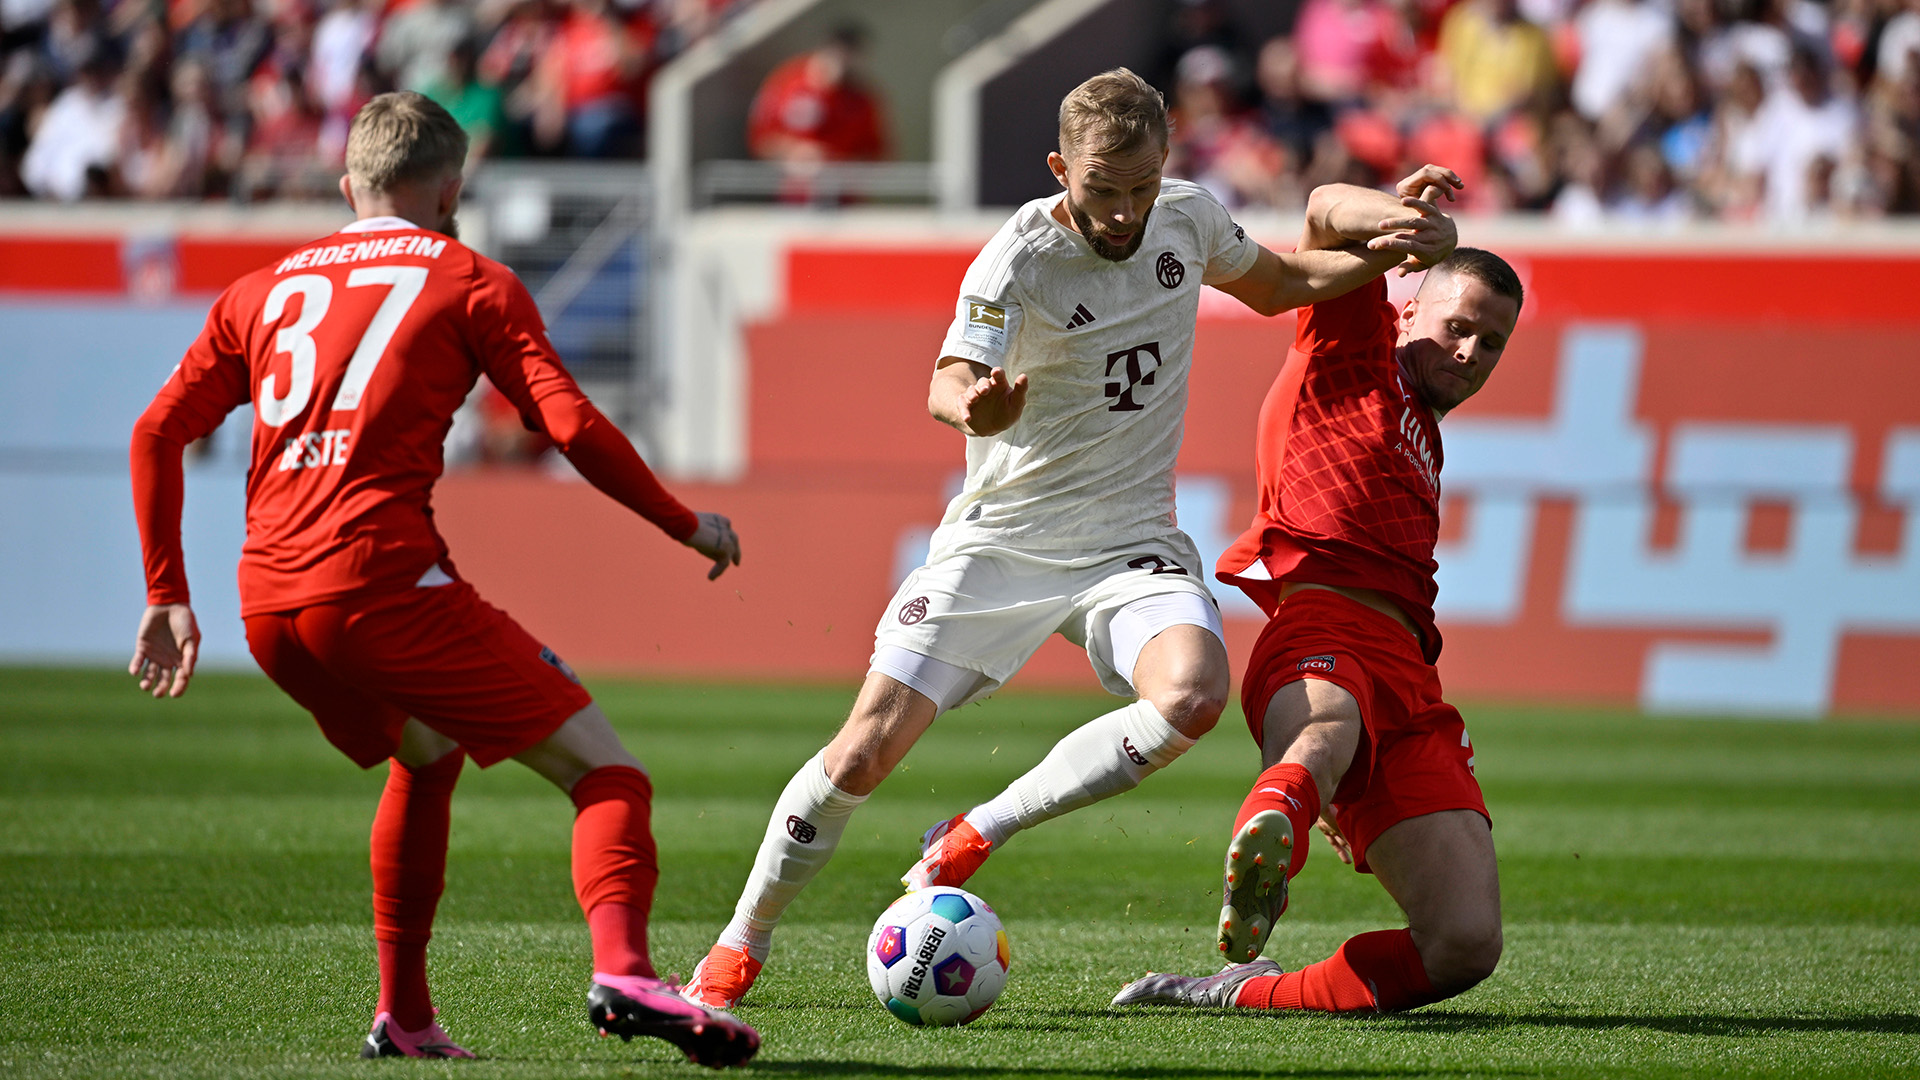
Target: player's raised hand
165,649
1426,236
716,540
993,403
1429,182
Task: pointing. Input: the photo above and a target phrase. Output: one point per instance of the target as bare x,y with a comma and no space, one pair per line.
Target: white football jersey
1105,347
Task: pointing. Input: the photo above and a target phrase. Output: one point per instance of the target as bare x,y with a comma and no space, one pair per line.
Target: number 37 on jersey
276,405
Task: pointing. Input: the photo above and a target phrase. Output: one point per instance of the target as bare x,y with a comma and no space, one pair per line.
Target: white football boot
1197,991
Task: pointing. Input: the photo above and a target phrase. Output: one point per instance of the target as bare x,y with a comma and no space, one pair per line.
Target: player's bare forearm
1314,276
1339,215
1282,282
975,399
1408,221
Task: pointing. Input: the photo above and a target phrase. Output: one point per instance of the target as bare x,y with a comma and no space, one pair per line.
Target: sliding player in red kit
1341,692
355,351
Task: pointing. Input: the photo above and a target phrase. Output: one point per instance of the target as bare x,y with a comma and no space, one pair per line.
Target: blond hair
1113,112
403,137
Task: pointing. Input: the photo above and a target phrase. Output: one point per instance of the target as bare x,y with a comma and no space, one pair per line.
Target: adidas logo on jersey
1081,316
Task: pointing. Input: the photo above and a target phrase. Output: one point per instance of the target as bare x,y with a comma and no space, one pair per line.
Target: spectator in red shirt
589,85
815,108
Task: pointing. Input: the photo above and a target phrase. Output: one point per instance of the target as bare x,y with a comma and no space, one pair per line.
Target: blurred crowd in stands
1598,112
250,99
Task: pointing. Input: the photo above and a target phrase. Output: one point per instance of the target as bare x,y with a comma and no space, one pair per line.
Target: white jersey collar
379,224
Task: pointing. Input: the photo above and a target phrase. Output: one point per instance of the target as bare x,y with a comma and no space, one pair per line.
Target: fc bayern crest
913,610
1170,270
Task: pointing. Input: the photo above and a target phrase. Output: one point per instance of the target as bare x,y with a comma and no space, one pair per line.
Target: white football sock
806,825
1104,757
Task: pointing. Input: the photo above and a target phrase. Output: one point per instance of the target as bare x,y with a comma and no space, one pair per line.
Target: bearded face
1110,195
1099,237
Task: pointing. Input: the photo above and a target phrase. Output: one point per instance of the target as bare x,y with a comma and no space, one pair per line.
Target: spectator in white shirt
1801,122
1618,39
79,133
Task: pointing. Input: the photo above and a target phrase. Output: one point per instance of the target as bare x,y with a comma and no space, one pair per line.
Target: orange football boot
722,979
950,853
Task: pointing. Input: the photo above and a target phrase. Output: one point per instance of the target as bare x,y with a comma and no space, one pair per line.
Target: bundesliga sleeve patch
986,326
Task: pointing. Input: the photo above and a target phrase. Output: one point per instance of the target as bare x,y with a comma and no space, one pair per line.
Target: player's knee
1463,957
856,771
1192,707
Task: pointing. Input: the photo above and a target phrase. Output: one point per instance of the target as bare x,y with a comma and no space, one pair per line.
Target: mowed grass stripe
1683,898
1570,1000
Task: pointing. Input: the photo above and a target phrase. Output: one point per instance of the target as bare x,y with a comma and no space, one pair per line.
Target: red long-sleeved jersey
1348,460
355,351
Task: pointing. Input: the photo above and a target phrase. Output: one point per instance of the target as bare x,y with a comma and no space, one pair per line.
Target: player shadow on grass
1144,1072
1694,1024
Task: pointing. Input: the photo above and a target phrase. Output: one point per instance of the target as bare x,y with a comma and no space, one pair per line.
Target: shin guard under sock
807,821
1104,757
1379,971
1291,790
408,856
615,867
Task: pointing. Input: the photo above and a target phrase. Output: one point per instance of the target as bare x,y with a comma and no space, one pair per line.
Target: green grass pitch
184,893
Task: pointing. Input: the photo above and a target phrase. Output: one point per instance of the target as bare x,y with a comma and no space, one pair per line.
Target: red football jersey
1348,461
355,351
844,120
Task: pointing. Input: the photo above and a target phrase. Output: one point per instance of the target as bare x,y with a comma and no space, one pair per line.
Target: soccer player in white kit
1066,365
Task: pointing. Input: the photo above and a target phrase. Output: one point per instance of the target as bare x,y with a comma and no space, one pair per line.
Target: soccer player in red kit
355,351
1341,692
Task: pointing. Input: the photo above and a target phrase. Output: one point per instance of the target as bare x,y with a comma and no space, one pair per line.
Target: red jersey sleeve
511,340
1346,322
210,382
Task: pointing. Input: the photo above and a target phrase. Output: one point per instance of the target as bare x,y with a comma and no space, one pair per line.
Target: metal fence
578,234
824,185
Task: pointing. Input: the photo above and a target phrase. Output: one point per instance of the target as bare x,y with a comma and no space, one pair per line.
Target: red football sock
1289,789
614,866
1375,972
409,860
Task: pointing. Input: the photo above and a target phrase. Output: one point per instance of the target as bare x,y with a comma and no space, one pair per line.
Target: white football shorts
988,611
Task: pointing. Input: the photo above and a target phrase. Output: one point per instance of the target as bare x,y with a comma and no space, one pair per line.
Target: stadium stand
1597,112
250,99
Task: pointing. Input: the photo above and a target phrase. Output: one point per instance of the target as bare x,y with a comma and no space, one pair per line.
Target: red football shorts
440,654
1413,757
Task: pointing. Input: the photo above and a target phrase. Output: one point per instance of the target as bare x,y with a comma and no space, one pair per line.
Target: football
937,957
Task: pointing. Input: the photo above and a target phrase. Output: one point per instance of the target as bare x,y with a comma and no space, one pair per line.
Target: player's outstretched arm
975,399
609,462
165,649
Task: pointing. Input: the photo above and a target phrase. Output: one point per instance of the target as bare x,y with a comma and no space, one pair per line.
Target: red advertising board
1692,485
